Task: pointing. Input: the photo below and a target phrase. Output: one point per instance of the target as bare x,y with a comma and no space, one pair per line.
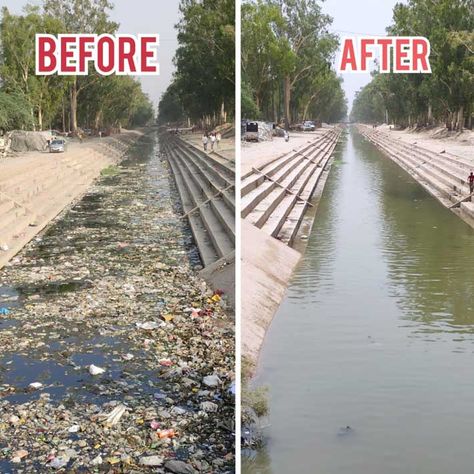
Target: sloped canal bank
112,284
376,333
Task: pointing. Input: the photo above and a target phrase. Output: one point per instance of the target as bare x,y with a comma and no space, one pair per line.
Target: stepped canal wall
276,195
442,173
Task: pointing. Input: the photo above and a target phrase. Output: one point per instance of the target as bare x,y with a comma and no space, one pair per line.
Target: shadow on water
376,332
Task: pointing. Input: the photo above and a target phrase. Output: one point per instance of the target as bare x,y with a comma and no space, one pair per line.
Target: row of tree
203,87
63,102
287,52
444,96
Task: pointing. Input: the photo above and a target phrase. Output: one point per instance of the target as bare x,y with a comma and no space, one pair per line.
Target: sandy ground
459,144
256,155
36,186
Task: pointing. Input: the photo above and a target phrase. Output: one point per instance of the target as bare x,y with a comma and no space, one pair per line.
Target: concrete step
276,208
213,222
224,213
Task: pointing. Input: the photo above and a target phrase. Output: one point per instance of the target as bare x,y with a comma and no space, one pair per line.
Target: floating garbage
149,325
94,370
4,311
151,461
137,312
211,380
35,385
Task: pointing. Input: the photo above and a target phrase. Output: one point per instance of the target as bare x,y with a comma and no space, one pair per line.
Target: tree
42,93
81,16
204,78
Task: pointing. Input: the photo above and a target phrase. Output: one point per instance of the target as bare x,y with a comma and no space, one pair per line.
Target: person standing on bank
218,139
213,140
470,180
204,141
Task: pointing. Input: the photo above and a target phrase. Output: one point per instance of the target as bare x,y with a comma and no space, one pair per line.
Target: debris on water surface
211,380
4,311
94,370
85,301
151,461
35,385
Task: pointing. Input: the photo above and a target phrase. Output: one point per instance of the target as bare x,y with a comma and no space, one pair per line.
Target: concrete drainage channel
276,196
206,185
442,174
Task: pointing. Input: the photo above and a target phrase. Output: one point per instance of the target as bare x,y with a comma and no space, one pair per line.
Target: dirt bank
36,186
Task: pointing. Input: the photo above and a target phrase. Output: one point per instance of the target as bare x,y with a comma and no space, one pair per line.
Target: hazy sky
355,18
140,16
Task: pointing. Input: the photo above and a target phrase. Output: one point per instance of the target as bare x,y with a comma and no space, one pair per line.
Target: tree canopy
63,102
444,96
287,52
203,86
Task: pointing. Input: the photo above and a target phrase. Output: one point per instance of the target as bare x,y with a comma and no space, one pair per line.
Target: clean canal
376,333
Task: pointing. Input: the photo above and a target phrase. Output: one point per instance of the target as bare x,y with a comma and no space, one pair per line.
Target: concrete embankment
206,185
37,186
443,174
275,198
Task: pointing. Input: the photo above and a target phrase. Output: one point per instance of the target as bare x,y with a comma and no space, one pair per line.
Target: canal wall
275,199
206,185
36,186
442,174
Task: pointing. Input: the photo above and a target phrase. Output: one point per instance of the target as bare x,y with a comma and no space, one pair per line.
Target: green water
376,332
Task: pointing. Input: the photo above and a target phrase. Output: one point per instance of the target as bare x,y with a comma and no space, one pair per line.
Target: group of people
213,138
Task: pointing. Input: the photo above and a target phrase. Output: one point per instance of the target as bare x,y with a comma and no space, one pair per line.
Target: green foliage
91,101
248,105
171,109
446,95
204,83
286,61
15,112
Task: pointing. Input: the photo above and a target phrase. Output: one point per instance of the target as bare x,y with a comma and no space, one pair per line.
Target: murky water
376,333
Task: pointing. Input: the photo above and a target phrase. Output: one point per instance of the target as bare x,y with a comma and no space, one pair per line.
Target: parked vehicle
251,131
57,146
308,126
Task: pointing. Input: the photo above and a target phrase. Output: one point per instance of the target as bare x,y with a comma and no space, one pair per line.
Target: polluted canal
369,360
114,355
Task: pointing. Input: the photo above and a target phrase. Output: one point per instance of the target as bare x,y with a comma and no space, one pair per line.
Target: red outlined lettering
121,54
400,54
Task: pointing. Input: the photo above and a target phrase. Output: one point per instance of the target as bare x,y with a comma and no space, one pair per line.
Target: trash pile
29,141
115,356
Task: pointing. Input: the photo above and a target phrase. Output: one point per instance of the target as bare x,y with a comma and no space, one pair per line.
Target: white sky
355,18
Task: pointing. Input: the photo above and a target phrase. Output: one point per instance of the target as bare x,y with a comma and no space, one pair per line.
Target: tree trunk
64,118
461,118
74,107
40,118
98,119
430,114
223,112
287,102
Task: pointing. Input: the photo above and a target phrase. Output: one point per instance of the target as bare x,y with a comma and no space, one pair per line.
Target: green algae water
376,333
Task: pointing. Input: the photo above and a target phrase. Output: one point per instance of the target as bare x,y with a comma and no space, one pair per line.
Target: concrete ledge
267,266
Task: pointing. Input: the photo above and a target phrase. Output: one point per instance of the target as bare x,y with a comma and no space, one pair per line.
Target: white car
308,126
